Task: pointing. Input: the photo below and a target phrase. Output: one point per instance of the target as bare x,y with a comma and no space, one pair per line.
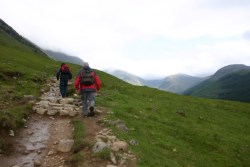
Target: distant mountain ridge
175,83
230,82
127,77
59,56
179,83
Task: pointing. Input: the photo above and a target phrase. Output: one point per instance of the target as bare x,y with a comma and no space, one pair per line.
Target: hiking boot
85,116
92,113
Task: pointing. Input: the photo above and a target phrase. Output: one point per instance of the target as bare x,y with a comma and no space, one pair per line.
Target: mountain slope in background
127,77
179,83
230,82
174,83
58,56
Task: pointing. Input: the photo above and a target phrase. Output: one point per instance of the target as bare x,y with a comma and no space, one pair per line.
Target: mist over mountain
230,82
58,56
127,77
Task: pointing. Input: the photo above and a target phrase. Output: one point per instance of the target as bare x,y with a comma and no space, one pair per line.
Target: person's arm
77,84
98,83
70,75
58,74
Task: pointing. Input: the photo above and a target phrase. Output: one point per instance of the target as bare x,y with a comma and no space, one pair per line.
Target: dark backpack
87,77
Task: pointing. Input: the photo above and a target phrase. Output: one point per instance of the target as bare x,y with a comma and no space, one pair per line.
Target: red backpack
65,69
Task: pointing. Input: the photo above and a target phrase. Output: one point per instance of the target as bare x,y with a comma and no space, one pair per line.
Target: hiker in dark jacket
88,83
65,75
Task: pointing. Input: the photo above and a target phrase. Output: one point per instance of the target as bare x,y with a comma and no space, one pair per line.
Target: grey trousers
88,100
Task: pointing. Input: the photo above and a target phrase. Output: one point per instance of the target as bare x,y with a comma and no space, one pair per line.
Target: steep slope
179,83
23,74
230,82
229,69
58,56
12,33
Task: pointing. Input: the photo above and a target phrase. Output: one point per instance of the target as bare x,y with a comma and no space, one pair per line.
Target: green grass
77,158
104,154
213,132
79,134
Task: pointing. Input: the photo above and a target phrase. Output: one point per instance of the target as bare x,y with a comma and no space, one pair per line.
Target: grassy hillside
172,130
23,71
229,83
233,86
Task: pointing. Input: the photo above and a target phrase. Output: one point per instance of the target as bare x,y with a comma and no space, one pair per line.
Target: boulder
65,145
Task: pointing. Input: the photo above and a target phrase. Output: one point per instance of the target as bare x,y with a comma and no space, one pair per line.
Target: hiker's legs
66,89
63,87
84,103
91,97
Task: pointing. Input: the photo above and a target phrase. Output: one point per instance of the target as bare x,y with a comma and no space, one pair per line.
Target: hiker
65,75
87,83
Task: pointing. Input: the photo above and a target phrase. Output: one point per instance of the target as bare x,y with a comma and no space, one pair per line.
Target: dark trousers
63,87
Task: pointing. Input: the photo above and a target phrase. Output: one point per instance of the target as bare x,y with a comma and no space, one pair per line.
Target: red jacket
94,87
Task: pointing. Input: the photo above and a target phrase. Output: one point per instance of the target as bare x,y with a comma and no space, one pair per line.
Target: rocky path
46,139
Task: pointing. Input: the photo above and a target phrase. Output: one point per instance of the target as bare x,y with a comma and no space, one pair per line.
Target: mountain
175,83
58,56
154,83
179,83
230,82
127,77
229,69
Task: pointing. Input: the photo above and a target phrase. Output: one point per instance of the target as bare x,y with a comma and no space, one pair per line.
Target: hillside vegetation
171,130
23,75
174,130
229,83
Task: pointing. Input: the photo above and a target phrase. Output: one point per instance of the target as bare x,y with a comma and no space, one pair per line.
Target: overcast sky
144,37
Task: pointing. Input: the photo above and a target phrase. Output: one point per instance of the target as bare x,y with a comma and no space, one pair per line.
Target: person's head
85,64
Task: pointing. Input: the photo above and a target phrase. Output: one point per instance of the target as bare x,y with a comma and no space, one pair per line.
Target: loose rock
65,145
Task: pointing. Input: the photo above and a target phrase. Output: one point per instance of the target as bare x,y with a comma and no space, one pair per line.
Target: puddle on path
29,143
